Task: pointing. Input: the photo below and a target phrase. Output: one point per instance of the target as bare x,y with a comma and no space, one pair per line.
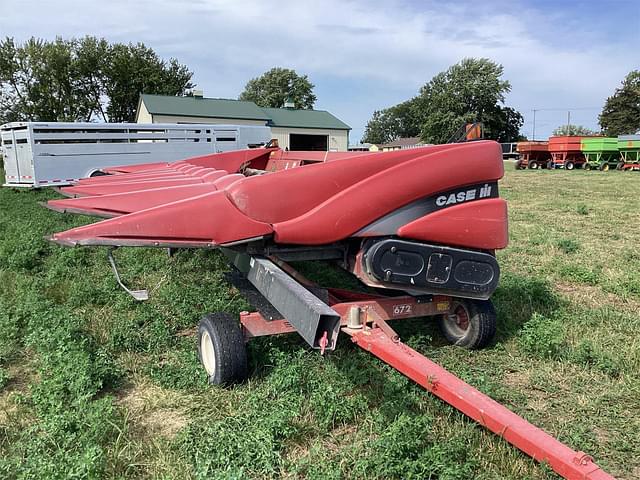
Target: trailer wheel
604,167
97,173
221,348
620,166
533,165
569,165
586,166
471,323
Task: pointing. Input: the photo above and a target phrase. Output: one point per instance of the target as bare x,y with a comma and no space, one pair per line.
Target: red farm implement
422,238
566,152
533,155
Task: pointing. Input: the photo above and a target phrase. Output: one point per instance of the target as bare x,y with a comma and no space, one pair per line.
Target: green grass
95,385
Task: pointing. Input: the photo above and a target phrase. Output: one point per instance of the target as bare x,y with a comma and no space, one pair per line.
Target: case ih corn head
419,226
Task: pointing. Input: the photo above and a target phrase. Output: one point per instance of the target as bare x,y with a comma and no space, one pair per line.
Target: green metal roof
202,107
288,117
226,108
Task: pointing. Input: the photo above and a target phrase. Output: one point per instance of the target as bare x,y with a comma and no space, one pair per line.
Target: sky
362,56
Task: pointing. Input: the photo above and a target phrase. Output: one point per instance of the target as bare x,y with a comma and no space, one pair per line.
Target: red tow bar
532,440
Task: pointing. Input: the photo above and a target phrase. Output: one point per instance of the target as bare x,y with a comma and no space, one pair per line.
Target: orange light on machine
474,131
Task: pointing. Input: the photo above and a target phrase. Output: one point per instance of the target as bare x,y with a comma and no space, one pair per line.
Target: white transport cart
59,153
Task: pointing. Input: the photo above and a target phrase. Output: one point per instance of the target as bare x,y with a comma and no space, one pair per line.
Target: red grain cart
532,155
566,152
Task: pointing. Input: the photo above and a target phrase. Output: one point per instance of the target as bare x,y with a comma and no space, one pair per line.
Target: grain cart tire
221,348
533,165
97,173
620,166
604,167
569,165
587,166
471,323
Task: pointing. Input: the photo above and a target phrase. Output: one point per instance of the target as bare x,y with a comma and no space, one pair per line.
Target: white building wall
338,139
143,115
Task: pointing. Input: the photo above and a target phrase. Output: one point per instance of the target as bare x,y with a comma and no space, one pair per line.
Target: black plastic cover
427,268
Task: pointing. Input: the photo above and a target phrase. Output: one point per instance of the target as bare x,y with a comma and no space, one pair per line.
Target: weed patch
568,245
543,337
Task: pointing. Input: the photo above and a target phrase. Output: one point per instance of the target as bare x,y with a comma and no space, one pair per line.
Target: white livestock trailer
38,154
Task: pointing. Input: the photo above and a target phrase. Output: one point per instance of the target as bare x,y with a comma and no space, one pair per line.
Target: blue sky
368,55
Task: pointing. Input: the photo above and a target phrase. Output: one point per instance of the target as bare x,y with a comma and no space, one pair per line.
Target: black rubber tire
569,165
228,348
533,165
586,166
98,173
603,167
481,324
620,166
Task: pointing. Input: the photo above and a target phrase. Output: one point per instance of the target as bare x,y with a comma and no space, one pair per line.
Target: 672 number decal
401,309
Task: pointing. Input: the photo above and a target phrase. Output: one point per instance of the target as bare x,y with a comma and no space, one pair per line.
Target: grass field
95,385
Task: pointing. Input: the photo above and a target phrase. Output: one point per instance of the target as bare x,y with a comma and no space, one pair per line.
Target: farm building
295,129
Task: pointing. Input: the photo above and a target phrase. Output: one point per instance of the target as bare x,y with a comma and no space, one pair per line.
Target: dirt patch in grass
153,410
593,297
21,375
537,400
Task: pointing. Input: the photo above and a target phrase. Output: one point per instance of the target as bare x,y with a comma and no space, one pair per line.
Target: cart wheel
569,165
533,165
586,166
604,167
471,323
620,166
97,173
221,348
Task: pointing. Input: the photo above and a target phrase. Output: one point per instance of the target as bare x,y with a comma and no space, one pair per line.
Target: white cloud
382,51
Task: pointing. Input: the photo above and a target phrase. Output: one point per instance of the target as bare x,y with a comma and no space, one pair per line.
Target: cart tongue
206,220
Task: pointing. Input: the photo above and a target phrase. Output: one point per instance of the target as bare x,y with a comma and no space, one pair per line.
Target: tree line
473,91
82,79
90,79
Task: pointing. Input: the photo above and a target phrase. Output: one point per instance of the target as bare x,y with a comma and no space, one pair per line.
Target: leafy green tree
40,81
469,91
402,120
621,112
134,69
568,130
82,79
278,85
